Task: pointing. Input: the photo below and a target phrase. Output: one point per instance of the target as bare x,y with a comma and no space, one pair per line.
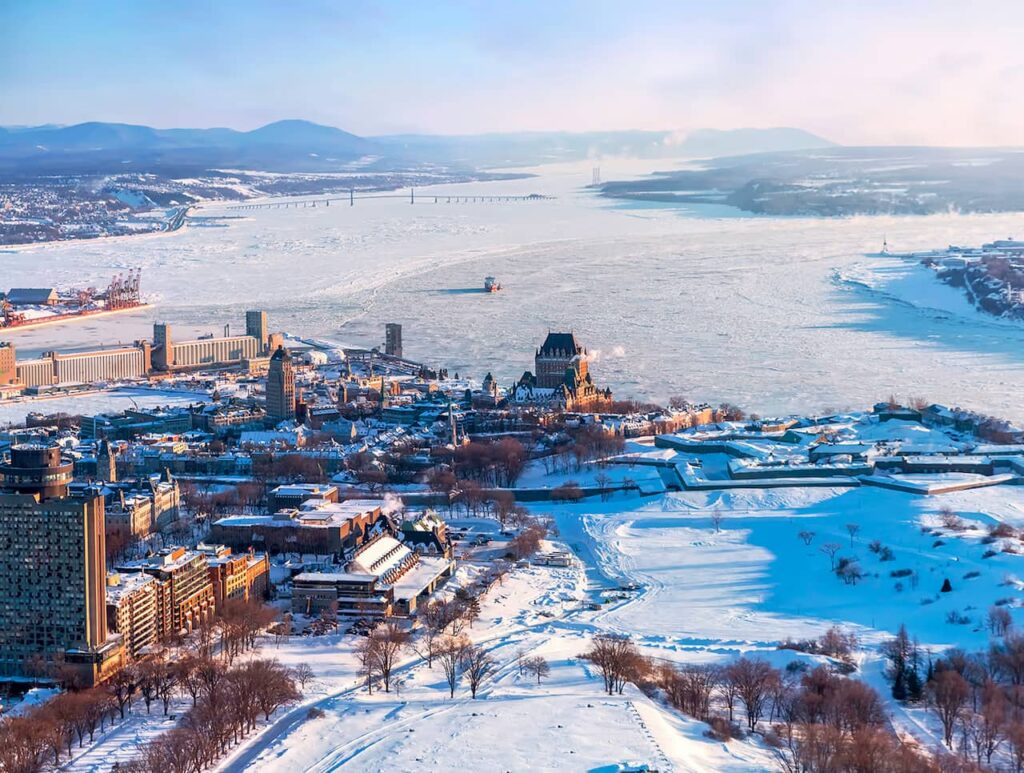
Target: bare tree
999,621
389,642
949,692
617,658
477,665
521,660
716,519
450,654
121,687
989,729
830,549
754,680
806,536
188,676
537,666
852,528
366,654
1007,658
302,673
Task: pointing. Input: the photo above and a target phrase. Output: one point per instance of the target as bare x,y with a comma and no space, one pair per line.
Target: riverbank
62,318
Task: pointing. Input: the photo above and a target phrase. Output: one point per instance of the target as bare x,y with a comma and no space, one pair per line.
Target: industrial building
126,362
8,364
211,351
32,296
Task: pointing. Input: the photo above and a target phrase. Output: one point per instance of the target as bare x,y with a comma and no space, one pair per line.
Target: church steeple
106,462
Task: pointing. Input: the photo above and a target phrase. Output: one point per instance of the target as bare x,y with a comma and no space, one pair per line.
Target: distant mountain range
297,146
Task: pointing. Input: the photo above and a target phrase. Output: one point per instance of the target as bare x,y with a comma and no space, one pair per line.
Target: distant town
991,276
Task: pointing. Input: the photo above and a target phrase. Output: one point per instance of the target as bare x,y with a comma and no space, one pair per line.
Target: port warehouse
136,360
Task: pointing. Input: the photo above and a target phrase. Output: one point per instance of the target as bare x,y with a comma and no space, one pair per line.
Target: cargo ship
491,284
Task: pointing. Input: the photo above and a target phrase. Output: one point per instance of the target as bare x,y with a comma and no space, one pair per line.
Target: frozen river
776,315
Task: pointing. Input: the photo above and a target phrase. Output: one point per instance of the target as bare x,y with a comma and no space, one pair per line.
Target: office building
393,339
236,576
281,387
319,526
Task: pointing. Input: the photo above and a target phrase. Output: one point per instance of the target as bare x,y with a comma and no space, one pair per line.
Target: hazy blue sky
935,72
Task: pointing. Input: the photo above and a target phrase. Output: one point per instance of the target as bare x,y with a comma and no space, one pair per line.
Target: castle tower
558,353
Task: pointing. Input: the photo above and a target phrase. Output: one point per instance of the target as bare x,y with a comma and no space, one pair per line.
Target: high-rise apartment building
52,571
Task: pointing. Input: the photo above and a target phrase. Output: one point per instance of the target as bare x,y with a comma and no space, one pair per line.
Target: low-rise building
316,527
132,605
384,577
294,494
236,576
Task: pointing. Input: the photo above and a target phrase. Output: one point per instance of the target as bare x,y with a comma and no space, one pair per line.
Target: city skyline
909,73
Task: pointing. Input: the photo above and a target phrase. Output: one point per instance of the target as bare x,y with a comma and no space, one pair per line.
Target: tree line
813,719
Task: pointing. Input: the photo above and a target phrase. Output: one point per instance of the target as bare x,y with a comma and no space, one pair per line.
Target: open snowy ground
777,314
91,403
564,723
756,582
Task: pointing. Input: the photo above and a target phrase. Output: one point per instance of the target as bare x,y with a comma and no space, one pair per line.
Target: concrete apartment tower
393,339
256,326
281,386
52,570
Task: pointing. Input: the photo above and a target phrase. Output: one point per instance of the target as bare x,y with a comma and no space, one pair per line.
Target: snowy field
564,723
777,314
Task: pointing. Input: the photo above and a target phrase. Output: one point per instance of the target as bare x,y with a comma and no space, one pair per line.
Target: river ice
775,314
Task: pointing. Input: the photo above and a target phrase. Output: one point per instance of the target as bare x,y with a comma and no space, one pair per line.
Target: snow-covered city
507,387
